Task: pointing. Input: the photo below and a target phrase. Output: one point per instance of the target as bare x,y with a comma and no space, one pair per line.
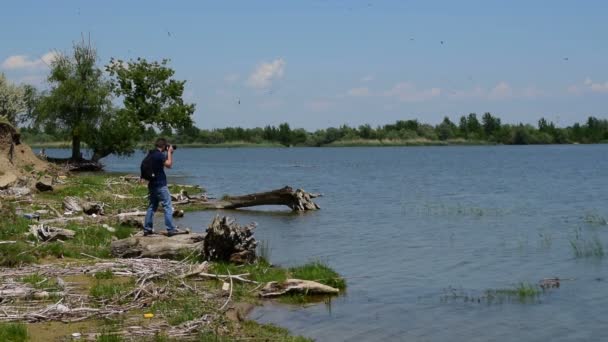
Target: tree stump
225,240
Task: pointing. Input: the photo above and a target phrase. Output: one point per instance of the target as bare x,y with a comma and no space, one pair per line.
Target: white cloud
24,61
265,73
599,87
588,85
359,92
367,78
501,91
407,92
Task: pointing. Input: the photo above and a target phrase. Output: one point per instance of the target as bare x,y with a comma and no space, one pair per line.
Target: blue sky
325,63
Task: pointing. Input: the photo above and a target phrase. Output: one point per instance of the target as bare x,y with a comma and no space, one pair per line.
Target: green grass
268,332
109,337
13,332
319,272
523,292
181,309
107,274
40,282
111,291
14,255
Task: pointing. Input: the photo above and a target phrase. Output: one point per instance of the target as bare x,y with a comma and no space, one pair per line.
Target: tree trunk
298,200
76,147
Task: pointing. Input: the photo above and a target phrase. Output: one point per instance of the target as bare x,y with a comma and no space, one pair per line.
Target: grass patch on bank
319,272
13,332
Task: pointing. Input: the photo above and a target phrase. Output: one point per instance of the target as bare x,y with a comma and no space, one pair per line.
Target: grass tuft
107,274
111,291
319,272
585,248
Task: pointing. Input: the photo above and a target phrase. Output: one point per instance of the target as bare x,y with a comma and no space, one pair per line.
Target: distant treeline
488,129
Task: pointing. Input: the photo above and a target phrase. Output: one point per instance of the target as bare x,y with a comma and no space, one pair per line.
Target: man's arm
169,161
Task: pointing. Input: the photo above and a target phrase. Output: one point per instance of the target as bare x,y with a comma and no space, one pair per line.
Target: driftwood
225,240
76,205
157,246
46,233
297,200
274,289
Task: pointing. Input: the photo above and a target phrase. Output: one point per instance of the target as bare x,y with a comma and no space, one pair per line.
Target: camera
169,145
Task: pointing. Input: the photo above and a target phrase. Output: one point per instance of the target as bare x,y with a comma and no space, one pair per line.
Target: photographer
152,170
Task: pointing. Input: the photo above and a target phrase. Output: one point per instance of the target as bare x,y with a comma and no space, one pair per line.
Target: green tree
491,124
446,129
151,96
79,98
12,100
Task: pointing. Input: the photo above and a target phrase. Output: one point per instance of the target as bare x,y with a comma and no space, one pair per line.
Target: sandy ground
23,167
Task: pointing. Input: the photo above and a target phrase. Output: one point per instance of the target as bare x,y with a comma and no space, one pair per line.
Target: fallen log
157,246
274,289
224,240
297,200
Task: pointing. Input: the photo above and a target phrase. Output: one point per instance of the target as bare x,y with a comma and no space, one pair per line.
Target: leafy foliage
151,96
12,99
79,98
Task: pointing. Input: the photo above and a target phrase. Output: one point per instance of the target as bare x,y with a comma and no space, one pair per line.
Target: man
157,187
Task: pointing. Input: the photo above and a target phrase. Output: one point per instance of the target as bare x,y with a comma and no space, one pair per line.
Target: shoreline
86,266
338,144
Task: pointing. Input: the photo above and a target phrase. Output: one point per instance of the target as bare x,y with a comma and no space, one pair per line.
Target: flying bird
442,42
565,58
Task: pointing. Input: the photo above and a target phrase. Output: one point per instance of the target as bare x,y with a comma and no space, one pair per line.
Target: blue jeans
155,194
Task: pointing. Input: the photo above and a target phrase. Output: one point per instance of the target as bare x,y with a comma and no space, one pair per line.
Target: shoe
149,232
177,231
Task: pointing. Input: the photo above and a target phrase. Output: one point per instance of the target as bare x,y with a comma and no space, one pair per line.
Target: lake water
409,227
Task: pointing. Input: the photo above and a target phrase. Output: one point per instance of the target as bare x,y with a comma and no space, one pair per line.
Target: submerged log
157,246
298,200
225,240
274,289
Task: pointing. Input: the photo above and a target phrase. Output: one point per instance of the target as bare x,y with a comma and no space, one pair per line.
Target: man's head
161,144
